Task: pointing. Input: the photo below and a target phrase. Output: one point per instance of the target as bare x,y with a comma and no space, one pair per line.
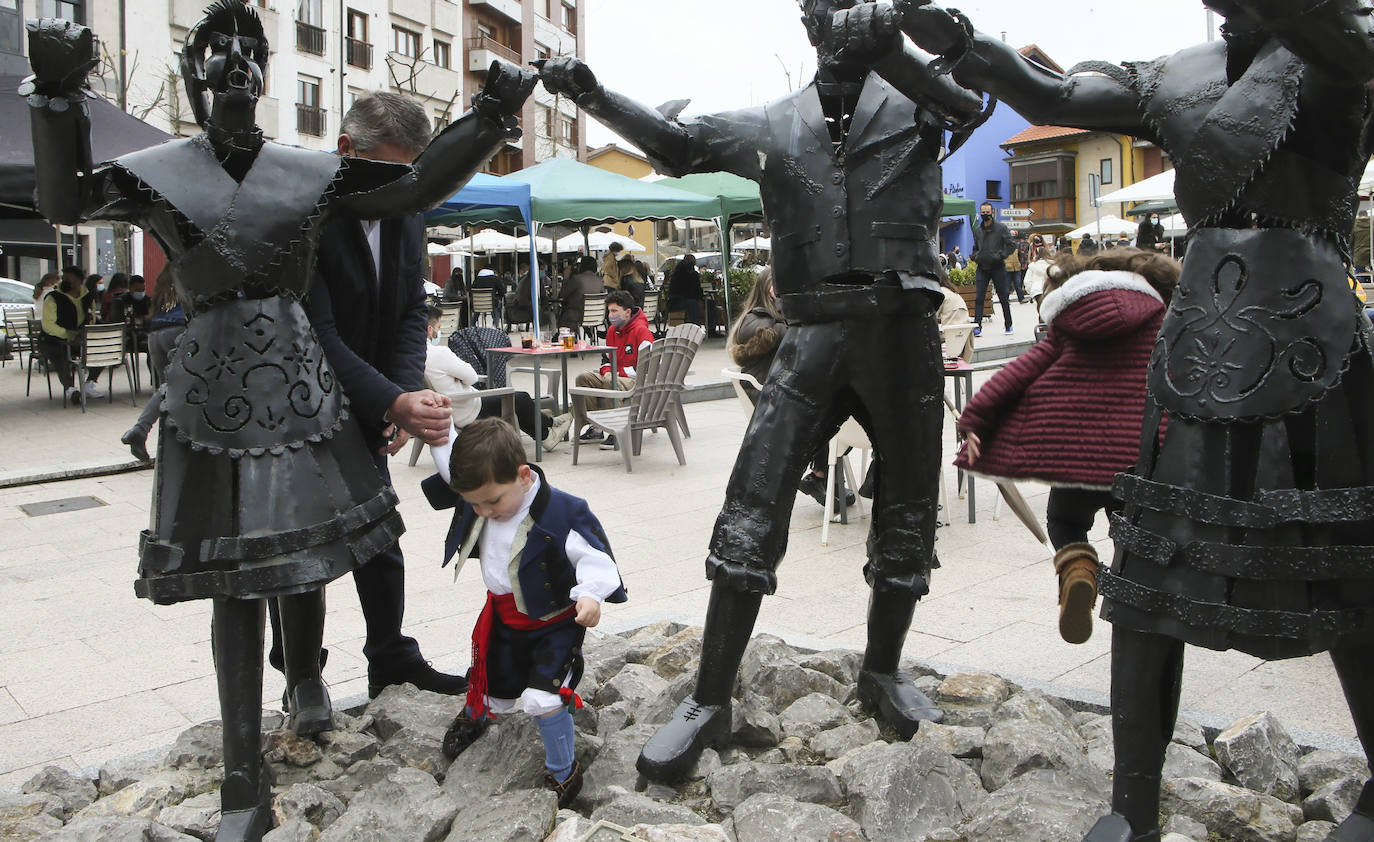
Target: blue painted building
979,172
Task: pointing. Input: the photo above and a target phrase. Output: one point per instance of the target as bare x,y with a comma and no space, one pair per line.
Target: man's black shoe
672,752
815,487
894,697
592,434
137,440
866,487
420,674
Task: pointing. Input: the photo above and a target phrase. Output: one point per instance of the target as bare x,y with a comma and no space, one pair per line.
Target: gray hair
385,117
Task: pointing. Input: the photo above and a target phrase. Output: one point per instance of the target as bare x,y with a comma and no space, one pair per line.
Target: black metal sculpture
849,170
1248,525
264,488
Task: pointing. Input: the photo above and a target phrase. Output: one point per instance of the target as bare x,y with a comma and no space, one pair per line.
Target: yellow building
631,165
1052,169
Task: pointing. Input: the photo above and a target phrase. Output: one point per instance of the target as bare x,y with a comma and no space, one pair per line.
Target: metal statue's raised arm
61,54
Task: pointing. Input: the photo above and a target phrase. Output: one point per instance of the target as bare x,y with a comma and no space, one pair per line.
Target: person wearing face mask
133,305
1150,235
992,245
629,333
455,378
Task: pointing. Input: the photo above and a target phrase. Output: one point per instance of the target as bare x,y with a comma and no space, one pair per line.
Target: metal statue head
223,64
816,15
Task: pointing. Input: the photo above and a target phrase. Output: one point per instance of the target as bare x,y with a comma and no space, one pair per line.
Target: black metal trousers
885,371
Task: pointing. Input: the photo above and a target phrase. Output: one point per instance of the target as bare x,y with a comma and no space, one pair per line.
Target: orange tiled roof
1035,133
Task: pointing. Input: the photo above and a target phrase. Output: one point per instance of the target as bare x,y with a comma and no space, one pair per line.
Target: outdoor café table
553,349
962,374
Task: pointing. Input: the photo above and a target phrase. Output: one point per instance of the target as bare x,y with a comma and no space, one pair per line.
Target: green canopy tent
565,192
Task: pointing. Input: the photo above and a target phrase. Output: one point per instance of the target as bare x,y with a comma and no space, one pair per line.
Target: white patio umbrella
544,243
1107,225
1174,225
598,241
434,249
452,248
1156,188
488,240
1367,180
759,243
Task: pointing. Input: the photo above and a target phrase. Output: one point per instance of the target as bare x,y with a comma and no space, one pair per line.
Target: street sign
1017,224
1016,213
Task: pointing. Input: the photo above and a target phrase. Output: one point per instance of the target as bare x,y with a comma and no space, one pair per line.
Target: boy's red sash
503,606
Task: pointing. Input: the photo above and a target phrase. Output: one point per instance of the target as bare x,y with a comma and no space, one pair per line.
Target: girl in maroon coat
1068,411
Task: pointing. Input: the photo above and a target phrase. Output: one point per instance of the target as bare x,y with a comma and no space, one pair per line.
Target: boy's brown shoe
567,790
1077,568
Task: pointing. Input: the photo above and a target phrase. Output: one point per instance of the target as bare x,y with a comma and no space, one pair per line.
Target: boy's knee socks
557,732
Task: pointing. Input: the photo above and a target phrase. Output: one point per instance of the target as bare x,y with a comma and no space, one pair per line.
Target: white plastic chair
738,379
851,435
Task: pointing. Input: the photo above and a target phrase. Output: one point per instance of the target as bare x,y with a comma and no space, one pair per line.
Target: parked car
708,261
15,295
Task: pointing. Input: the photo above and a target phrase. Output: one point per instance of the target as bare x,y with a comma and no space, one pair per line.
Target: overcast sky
733,53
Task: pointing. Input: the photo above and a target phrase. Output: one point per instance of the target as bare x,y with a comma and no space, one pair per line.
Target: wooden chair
649,405
693,335
104,346
593,316
484,306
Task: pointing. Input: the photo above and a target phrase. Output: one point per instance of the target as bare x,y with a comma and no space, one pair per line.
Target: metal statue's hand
567,76
932,28
509,85
866,32
61,54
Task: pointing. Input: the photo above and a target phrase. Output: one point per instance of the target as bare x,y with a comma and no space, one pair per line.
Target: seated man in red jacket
629,334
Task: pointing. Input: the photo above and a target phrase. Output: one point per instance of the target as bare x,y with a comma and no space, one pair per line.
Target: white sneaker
91,390
557,430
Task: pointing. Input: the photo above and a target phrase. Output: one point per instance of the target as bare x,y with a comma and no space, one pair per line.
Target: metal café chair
20,339
484,306
104,346
593,315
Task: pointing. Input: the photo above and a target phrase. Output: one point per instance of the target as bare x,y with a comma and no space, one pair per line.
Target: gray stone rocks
1323,766
1334,800
408,803
905,790
1013,747
770,817
1039,806
731,785
1259,753
519,816
72,791
198,816
1232,812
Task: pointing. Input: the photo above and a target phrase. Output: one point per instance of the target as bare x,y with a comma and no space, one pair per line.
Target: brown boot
567,790
1077,568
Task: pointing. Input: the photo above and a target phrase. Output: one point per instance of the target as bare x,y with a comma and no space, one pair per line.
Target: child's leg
1070,514
556,730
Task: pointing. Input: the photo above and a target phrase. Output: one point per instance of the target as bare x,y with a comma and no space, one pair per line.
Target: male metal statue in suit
849,172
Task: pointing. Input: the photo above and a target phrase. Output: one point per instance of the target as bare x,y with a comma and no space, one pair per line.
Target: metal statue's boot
1357,827
307,699
1147,676
1113,827
883,687
1077,567
703,718
246,794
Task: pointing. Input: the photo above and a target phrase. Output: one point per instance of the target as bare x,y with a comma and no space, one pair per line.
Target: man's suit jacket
874,207
373,330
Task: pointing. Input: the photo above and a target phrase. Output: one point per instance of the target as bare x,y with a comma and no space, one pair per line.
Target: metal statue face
230,72
816,17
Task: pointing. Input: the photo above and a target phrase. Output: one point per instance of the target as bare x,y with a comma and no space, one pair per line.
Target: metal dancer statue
264,488
1247,527
850,176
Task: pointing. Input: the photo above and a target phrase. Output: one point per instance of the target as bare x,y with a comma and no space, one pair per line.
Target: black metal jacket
873,208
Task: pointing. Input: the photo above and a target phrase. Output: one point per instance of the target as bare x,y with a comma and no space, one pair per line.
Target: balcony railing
359,53
309,38
482,42
309,120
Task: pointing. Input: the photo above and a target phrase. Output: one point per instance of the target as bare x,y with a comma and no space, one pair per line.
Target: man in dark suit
375,340
848,167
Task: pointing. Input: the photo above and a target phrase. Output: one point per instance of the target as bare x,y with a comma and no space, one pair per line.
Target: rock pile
1007,765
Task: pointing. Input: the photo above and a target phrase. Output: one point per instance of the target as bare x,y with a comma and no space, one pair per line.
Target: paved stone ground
89,672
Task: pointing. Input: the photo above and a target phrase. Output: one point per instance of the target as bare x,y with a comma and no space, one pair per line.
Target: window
405,42
567,130
357,25
545,7
72,10
441,121
11,28
545,121
994,191
541,52
1106,170
311,12
309,114
441,53
569,18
